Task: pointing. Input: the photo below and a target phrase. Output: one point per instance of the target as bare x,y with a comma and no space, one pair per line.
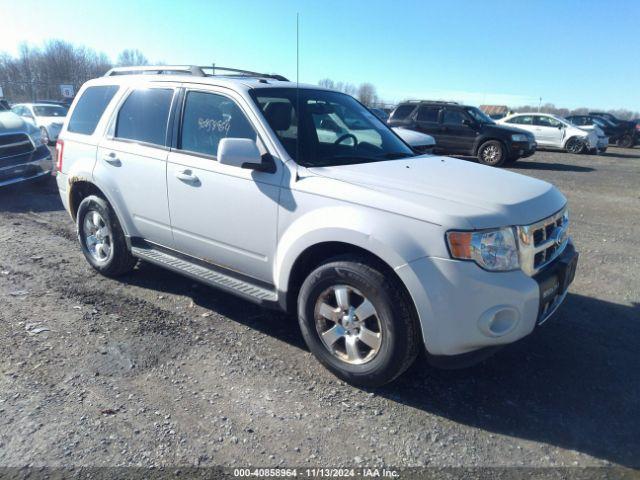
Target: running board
206,275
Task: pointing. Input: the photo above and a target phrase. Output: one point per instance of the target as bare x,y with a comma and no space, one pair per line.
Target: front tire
358,322
102,239
492,153
575,145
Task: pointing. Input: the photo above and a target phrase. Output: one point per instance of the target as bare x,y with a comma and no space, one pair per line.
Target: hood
446,191
12,123
413,138
502,127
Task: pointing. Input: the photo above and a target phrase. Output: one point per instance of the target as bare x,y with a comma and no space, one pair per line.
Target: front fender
394,239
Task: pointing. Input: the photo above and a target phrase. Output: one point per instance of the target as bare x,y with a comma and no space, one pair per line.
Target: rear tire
626,141
337,290
102,239
492,153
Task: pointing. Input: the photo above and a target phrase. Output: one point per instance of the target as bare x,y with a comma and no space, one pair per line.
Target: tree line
36,73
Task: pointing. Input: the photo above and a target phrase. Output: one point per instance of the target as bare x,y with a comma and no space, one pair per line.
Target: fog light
498,321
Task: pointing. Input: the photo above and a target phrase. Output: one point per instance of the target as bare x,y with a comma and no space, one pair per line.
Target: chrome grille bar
538,247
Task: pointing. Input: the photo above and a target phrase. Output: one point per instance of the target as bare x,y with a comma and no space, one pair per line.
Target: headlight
36,138
519,137
494,250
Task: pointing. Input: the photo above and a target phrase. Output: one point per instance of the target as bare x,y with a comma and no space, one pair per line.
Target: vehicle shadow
38,196
574,383
557,167
615,154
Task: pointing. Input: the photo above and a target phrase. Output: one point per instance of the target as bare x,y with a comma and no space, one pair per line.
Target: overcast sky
571,53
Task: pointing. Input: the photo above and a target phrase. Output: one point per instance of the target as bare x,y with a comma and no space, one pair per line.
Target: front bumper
26,167
522,149
463,308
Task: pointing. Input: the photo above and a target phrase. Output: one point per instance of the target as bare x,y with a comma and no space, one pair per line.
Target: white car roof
234,82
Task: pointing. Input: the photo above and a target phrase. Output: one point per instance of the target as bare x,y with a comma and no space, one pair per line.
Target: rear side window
402,112
144,115
89,109
522,120
207,119
428,114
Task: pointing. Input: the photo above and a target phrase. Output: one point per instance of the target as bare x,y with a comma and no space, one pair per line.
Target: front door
456,136
221,214
549,130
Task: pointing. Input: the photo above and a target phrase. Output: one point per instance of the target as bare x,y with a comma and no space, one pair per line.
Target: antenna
297,86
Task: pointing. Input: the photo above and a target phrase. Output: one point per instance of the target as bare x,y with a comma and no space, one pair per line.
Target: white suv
552,131
233,181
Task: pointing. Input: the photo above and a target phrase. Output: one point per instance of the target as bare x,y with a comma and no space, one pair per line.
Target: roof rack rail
196,71
157,69
247,73
448,102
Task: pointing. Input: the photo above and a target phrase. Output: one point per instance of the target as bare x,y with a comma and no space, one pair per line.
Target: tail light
59,152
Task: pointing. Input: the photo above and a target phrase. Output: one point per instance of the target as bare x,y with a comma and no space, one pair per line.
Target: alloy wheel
348,324
98,237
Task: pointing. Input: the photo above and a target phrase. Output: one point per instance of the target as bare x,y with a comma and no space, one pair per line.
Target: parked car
381,253
23,156
552,131
420,142
612,131
381,114
463,130
631,135
47,117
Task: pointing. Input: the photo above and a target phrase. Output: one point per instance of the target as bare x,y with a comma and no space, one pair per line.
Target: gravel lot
154,370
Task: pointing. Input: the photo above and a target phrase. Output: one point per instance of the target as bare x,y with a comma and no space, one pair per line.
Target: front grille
15,144
541,243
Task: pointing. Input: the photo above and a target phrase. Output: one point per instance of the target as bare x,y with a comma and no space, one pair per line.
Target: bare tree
367,94
327,83
131,58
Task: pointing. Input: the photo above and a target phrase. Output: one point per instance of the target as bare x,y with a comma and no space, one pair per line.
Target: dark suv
463,130
630,137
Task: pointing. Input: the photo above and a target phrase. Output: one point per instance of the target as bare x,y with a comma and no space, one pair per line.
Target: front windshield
479,116
49,111
334,128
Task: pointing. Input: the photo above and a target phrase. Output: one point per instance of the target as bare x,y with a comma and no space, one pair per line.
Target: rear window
144,115
90,108
402,112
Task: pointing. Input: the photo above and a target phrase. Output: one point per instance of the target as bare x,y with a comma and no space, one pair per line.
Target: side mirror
329,124
467,123
560,127
243,153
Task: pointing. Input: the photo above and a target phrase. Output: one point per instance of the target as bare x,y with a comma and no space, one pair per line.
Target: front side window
547,122
89,108
479,116
207,119
322,128
453,117
144,115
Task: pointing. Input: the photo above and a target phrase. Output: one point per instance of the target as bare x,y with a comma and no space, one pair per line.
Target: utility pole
539,104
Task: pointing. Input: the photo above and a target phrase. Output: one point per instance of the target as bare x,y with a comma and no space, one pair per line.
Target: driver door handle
187,176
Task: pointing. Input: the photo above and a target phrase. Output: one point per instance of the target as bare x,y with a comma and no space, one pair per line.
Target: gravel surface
154,370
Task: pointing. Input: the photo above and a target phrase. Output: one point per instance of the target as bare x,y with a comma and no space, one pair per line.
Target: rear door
456,137
221,214
426,119
132,161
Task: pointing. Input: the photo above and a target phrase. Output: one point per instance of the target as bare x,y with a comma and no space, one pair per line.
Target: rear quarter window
89,109
402,112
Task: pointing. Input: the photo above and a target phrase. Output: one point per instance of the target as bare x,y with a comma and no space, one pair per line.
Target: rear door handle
112,158
187,176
